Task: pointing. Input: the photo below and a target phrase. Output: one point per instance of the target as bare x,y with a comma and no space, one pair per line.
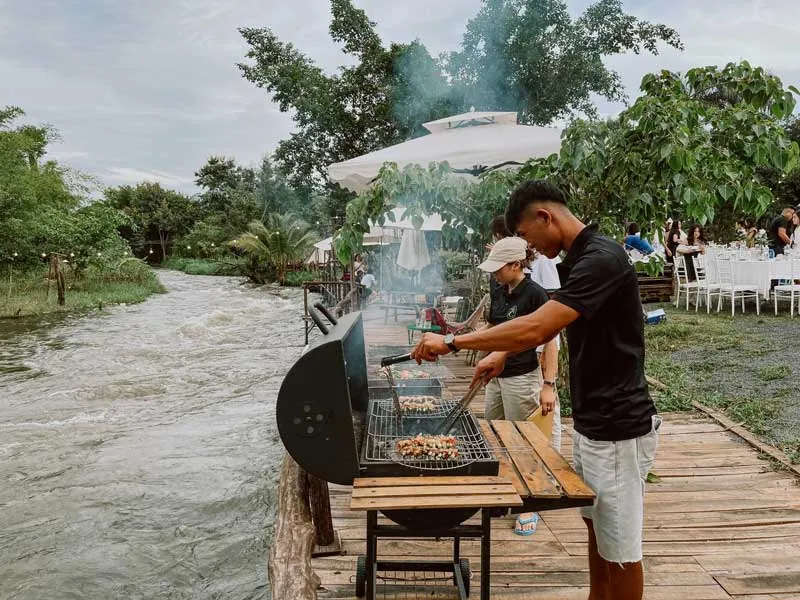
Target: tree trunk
320,510
290,574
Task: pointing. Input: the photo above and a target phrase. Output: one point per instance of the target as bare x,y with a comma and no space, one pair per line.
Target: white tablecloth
760,273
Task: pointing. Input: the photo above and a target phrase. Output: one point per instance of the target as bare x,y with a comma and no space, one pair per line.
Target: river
138,450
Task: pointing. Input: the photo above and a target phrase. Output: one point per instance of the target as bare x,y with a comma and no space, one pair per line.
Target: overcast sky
148,89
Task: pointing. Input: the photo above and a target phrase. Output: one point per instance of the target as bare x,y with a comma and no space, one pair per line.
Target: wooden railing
342,296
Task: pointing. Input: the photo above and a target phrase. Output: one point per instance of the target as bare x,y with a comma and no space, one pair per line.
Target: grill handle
318,321
324,310
393,360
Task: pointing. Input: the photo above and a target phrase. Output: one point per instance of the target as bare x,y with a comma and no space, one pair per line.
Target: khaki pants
513,398
516,398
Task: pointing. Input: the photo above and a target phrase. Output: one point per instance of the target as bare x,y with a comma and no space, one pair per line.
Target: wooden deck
719,524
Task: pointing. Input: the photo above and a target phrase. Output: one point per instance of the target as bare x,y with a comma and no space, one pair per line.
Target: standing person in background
779,229
634,240
522,385
796,232
694,245
545,273
675,238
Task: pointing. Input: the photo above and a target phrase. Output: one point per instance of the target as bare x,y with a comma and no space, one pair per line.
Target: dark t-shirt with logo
523,300
610,399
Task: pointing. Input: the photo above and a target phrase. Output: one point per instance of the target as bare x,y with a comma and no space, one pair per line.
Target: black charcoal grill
338,428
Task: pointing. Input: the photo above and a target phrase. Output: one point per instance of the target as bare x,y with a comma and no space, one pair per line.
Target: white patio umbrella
466,141
413,254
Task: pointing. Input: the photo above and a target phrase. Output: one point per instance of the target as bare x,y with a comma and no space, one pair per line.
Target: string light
44,254
15,255
188,247
99,254
151,250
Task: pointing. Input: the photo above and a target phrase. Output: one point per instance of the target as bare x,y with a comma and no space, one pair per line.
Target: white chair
683,281
729,288
791,290
707,286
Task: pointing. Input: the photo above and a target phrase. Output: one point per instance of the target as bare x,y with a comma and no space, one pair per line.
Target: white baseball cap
507,250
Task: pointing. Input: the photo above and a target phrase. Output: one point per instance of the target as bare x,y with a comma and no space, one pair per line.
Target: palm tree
275,243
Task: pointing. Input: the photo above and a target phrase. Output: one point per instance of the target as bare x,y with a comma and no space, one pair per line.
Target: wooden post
320,511
290,574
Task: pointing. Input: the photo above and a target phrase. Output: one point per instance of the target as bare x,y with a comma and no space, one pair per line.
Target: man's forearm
513,336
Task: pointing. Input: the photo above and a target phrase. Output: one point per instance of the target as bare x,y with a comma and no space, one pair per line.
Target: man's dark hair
633,228
528,192
498,227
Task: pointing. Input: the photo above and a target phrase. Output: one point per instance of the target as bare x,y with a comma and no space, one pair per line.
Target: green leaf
653,478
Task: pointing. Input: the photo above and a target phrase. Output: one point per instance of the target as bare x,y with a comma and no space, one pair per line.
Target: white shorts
616,471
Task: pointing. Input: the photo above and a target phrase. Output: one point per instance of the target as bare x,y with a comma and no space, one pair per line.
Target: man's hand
429,347
490,367
489,247
547,399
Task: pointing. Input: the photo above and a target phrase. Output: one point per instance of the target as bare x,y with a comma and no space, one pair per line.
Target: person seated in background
633,240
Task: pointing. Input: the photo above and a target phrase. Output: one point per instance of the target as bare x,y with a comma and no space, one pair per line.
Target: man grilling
616,425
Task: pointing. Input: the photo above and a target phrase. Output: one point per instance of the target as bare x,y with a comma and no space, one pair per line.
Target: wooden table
429,493
540,475
533,477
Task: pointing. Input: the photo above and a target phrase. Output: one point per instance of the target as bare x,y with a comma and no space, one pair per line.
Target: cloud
126,175
153,84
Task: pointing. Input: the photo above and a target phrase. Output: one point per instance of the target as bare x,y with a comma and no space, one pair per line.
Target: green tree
380,100
530,56
271,246
157,213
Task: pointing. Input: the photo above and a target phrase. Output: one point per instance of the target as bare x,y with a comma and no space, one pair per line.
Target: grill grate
383,433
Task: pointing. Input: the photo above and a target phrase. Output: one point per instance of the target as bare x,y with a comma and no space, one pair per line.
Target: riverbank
239,267
25,294
744,366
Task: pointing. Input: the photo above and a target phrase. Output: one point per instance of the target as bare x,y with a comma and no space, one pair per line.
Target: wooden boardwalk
719,524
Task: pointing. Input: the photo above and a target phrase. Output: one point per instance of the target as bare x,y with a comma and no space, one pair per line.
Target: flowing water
138,450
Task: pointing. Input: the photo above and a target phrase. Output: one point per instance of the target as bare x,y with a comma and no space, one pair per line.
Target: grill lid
317,399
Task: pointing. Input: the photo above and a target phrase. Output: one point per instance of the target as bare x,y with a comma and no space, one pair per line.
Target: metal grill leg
372,553
486,548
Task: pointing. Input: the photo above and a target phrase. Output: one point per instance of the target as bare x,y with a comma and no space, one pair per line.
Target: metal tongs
397,410
451,417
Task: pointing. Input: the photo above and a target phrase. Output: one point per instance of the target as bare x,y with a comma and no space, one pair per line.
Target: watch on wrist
549,382
450,341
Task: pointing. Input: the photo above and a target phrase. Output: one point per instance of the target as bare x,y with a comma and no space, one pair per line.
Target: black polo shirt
523,300
610,400
773,239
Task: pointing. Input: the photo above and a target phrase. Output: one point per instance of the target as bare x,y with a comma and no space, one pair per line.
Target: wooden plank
507,468
481,501
433,480
748,437
572,485
433,490
531,469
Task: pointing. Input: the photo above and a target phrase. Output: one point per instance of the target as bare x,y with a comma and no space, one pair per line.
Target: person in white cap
517,391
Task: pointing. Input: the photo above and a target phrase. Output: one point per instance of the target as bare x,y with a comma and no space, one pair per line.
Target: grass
735,364
128,283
